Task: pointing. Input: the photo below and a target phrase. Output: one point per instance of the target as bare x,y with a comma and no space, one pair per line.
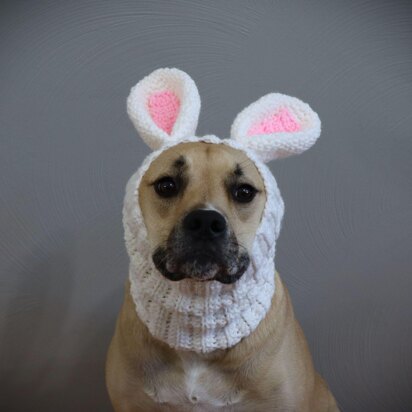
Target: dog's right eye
166,187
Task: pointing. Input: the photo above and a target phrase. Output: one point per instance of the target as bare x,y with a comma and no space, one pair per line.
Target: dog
202,205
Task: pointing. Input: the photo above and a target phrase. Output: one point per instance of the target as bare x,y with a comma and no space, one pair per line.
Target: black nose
204,224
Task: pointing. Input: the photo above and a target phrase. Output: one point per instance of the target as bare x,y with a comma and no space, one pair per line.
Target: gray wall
68,148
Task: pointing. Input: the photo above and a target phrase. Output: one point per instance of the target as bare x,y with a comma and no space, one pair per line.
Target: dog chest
200,387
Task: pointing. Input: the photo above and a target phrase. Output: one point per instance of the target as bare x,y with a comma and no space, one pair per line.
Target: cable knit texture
206,316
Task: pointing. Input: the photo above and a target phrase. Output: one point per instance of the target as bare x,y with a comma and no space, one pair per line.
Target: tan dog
269,370
216,191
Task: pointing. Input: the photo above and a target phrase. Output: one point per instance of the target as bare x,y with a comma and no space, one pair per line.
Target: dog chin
200,268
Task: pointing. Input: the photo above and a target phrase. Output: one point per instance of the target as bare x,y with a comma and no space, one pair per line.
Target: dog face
201,201
202,204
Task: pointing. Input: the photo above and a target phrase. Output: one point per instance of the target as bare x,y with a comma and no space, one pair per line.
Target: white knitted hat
205,316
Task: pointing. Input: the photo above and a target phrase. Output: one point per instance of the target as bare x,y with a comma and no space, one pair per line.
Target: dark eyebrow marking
237,176
177,170
238,170
179,163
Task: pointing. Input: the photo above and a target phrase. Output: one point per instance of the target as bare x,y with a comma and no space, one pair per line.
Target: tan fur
208,165
270,370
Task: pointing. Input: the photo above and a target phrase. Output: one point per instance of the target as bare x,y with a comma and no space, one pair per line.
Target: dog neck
202,316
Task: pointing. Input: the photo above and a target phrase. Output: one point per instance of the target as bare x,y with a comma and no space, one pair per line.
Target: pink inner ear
164,108
280,121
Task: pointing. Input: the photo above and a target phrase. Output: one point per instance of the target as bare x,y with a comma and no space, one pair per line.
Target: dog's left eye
244,193
166,187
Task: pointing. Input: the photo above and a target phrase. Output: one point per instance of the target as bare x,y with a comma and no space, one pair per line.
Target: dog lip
171,266
159,260
203,256
200,265
170,269
174,276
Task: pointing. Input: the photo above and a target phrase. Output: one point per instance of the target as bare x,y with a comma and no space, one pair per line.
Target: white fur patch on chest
195,391
201,388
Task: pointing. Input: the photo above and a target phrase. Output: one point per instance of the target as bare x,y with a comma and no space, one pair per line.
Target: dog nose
205,224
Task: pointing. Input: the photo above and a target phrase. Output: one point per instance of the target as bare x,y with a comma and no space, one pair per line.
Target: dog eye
244,193
166,187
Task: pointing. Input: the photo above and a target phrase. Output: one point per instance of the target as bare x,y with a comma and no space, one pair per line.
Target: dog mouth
203,262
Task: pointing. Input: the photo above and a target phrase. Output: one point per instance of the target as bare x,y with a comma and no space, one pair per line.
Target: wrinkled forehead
201,158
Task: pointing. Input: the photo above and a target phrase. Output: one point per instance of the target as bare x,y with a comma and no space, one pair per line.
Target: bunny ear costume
205,316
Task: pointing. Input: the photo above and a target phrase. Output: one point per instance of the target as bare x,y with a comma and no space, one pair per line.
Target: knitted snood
202,316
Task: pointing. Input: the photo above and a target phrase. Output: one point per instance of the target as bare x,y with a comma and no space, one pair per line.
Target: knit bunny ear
164,106
276,126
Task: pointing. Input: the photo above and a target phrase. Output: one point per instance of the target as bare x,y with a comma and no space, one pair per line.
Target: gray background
68,148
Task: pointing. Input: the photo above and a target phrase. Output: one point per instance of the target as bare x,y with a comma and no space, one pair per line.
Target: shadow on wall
42,338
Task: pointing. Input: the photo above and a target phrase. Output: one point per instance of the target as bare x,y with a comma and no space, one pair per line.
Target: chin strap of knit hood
205,316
